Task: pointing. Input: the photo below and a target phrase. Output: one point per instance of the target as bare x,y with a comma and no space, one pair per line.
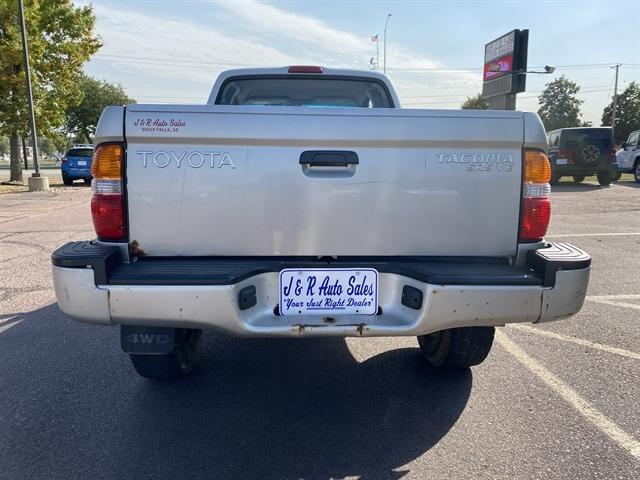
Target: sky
170,51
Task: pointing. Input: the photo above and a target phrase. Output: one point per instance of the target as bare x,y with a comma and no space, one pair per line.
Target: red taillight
568,154
535,209
65,159
536,213
107,203
305,69
107,211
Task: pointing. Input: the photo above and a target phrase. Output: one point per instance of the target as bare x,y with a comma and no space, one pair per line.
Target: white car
303,201
628,157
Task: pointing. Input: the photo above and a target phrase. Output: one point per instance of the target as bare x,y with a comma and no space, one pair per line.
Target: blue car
76,164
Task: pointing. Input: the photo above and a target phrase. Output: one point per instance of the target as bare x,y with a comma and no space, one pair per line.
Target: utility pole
36,182
615,101
385,43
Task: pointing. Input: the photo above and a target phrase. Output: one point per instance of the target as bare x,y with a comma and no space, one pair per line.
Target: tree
627,113
4,146
475,103
47,146
61,40
559,106
96,94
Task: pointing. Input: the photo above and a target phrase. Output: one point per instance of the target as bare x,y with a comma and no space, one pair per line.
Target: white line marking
578,341
619,304
625,296
604,234
5,325
606,426
613,300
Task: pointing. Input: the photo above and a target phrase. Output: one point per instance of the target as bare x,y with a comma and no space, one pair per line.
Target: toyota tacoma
303,201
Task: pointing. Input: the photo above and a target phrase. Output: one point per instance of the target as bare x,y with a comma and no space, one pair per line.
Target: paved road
555,401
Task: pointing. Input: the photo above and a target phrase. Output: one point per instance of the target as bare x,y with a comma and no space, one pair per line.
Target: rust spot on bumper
135,250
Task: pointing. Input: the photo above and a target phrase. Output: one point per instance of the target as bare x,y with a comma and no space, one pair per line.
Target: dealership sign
505,64
498,56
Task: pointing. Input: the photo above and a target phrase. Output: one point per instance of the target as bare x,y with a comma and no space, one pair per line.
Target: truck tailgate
219,180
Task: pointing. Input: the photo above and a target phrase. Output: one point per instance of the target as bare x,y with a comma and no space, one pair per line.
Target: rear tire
457,347
555,179
67,181
578,178
616,175
605,177
177,363
636,171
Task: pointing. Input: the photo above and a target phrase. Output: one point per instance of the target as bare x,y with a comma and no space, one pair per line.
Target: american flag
374,39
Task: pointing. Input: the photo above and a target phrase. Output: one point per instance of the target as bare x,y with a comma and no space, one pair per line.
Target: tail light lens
65,159
108,216
568,154
107,203
535,211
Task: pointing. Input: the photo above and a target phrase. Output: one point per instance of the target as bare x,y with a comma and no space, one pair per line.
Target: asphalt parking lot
558,400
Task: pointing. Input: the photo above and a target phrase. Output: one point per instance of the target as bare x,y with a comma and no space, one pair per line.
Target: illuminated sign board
505,56
498,56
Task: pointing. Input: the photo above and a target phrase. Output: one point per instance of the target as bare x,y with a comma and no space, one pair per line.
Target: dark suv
580,152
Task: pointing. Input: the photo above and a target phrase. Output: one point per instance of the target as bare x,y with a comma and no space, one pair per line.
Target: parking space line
606,426
577,341
6,325
615,300
604,234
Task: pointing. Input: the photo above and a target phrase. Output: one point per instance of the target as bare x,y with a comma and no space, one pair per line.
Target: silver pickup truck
303,201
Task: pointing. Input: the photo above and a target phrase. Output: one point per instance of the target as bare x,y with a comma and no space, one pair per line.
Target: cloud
268,18
160,59
154,52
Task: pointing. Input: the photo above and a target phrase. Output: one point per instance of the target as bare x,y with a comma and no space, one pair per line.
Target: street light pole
615,100
35,181
385,42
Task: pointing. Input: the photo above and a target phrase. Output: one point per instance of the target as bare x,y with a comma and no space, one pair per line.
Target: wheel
457,347
555,179
87,181
177,363
616,175
605,177
636,171
66,180
578,178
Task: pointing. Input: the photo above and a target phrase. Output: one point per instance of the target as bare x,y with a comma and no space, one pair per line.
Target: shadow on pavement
575,187
256,408
631,184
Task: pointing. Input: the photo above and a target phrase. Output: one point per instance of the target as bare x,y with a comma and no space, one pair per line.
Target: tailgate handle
329,158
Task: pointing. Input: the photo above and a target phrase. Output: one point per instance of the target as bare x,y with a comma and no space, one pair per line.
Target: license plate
561,161
82,163
335,291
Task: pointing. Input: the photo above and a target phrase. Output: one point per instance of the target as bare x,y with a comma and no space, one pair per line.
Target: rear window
80,152
305,92
602,137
